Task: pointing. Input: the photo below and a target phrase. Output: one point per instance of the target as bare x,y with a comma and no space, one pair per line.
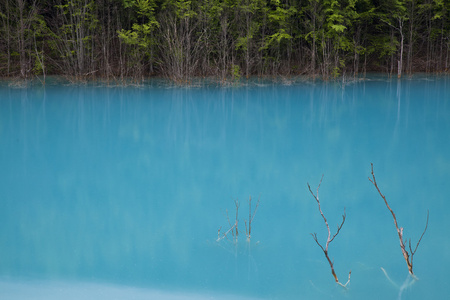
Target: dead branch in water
407,255
233,227
330,238
250,218
236,220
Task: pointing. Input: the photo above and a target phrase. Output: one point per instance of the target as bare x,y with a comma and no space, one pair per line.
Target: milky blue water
119,192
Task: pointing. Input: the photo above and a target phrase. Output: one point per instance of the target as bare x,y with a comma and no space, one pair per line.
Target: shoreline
201,81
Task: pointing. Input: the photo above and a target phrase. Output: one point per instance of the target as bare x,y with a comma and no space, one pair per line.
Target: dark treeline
179,39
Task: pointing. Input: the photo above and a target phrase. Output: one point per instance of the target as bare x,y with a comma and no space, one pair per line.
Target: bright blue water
126,187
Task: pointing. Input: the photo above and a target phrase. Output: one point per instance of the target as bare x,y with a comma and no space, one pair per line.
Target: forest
226,39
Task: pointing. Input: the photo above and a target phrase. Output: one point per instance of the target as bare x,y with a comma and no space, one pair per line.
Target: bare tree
5,38
181,41
407,255
18,18
330,238
75,27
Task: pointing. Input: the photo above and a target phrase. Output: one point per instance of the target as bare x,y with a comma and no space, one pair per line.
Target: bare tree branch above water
251,216
330,238
407,255
233,227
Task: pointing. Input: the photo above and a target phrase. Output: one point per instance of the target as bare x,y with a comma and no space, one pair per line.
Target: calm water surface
119,192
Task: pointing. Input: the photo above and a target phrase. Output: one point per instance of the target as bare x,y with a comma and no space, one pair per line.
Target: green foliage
275,39
80,18
141,36
145,8
223,37
242,42
337,69
384,46
236,73
38,68
184,9
441,9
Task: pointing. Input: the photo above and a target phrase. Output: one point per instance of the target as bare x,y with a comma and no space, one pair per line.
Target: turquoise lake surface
120,192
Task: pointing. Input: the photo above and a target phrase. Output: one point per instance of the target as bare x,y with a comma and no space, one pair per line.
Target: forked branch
330,238
408,256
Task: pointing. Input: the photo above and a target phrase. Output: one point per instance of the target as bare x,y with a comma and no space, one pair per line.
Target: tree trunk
402,38
313,50
21,38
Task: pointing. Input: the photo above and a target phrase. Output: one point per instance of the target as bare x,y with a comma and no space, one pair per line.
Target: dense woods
228,39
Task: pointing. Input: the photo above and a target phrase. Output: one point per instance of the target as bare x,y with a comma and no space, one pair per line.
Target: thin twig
229,223
224,235
236,202
250,217
417,245
233,226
